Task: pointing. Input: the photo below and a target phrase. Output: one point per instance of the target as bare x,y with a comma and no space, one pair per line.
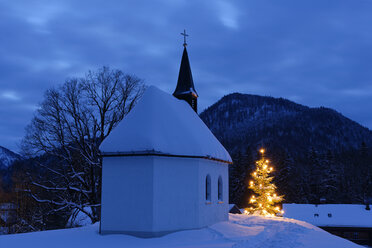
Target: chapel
163,170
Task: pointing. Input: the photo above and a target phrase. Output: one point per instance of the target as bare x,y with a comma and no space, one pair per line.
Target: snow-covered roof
160,123
340,215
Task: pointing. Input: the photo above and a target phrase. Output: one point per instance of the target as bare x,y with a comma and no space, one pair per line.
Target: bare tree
69,126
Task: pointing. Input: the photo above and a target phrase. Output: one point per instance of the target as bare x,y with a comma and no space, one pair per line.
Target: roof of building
185,83
162,124
332,215
233,208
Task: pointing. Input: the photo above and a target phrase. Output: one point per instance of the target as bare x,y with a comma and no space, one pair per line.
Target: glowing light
264,201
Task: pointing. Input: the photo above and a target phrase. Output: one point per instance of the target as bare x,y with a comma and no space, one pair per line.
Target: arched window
220,189
208,188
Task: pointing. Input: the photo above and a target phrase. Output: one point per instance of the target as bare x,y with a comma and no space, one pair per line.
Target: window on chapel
208,188
220,194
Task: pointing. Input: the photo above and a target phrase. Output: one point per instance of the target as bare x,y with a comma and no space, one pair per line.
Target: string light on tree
265,200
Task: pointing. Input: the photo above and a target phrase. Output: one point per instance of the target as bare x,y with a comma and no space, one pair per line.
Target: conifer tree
288,178
239,173
265,200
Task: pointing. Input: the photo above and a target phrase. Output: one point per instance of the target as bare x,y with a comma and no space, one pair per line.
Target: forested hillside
318,153
7,157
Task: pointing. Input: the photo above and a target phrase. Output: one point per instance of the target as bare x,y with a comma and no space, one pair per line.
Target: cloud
10,95
365,92
37,13
228,14
313,52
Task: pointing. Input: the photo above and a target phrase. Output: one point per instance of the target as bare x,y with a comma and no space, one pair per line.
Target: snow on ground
239,232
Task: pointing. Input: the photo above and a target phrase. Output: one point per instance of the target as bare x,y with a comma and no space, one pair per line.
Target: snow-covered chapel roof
162,124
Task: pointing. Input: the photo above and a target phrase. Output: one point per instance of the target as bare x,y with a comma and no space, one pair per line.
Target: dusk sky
317,53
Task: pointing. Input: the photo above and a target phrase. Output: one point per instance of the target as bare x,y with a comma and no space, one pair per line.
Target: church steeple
185,89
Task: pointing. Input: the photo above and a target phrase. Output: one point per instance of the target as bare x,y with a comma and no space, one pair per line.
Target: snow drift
240,231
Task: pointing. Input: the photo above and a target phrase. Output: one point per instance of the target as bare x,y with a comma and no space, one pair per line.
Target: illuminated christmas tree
265,200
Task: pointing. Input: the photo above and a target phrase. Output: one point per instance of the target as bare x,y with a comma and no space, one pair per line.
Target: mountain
243,120
317,153
7,157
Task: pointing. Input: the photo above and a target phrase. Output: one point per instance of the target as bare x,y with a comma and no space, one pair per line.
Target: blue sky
316,53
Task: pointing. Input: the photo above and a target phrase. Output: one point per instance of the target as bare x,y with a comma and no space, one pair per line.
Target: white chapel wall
127,194
153,194
215,210
175,193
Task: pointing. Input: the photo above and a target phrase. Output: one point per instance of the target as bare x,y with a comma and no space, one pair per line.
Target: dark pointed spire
185,89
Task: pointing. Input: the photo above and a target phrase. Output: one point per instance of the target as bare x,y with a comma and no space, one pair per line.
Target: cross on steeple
185,89
184,37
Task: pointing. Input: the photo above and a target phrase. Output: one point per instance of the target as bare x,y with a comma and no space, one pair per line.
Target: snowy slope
7,157
240,231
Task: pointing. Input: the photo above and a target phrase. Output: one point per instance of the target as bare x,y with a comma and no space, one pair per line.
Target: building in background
353,222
